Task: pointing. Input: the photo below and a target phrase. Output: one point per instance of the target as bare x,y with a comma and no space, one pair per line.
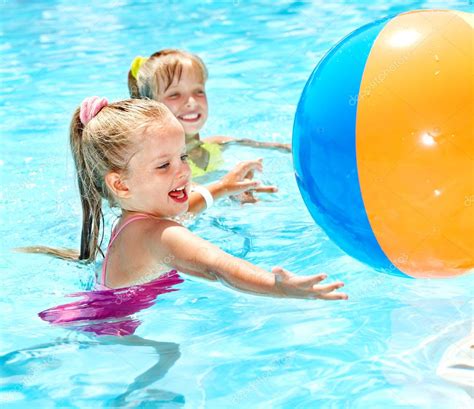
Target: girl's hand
239,180
293,286
248,196
238,184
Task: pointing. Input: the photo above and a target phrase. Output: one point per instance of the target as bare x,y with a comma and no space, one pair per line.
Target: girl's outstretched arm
226,140
195,256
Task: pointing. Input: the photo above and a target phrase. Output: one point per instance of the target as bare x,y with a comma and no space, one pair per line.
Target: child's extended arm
192,255
226,140
233,183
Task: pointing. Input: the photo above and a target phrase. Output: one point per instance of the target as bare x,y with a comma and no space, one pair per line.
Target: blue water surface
204,346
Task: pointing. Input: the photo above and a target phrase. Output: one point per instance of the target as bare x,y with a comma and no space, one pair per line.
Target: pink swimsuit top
101,284
108,311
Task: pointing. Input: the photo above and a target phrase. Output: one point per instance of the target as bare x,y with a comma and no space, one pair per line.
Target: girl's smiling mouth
179,194
190,117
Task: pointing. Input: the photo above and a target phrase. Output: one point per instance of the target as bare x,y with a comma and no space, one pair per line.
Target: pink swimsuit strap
112,239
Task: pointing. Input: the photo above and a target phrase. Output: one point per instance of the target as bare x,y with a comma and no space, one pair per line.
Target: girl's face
187,100
158,175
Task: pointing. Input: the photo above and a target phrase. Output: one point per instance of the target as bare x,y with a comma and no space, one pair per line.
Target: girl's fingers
316,279
255,185
334,296
247,197
327,288
266,189
249,165
248,184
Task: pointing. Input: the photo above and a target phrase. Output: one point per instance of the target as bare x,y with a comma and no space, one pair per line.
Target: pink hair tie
90,107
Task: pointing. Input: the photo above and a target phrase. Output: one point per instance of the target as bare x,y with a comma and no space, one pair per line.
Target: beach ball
383,144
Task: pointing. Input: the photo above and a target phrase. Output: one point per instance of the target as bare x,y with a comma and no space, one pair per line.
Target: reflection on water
25,370
168,353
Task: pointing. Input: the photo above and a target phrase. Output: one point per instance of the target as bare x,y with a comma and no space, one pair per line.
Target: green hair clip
136,64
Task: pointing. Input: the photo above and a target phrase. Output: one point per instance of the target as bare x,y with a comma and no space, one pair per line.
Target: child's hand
248,196
238,184
293,286
239,180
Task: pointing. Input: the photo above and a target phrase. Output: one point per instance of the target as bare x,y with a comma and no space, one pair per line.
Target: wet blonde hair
104,145
160,70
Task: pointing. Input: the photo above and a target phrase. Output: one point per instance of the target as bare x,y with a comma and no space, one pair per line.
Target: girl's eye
173,96
164,166
200,92
184,157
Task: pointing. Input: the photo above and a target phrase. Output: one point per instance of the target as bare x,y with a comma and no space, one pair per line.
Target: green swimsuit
215,160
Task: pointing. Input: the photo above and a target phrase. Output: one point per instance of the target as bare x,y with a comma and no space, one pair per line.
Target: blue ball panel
324,148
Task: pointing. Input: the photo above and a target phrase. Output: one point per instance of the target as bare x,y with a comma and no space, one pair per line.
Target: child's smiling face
158,174
187,100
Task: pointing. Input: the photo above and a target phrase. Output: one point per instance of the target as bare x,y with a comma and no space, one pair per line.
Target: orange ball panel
415,150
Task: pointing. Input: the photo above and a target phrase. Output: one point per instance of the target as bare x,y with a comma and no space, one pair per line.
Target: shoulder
160,229
169,235
153,232
184,250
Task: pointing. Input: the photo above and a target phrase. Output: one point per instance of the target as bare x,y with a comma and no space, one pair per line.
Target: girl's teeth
179,193
190,116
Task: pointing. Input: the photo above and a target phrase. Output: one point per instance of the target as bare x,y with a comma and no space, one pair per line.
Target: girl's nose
184,171
191,102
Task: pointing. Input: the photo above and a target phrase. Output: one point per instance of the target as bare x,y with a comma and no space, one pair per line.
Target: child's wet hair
159,71
105,144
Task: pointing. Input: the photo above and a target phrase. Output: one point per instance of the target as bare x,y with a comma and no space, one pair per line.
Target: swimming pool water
203,346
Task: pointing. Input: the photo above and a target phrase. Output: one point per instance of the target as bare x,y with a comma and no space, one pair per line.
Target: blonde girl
132,153
178,79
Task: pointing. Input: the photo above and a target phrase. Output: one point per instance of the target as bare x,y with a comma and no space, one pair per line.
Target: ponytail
133,86
133,74
91,200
